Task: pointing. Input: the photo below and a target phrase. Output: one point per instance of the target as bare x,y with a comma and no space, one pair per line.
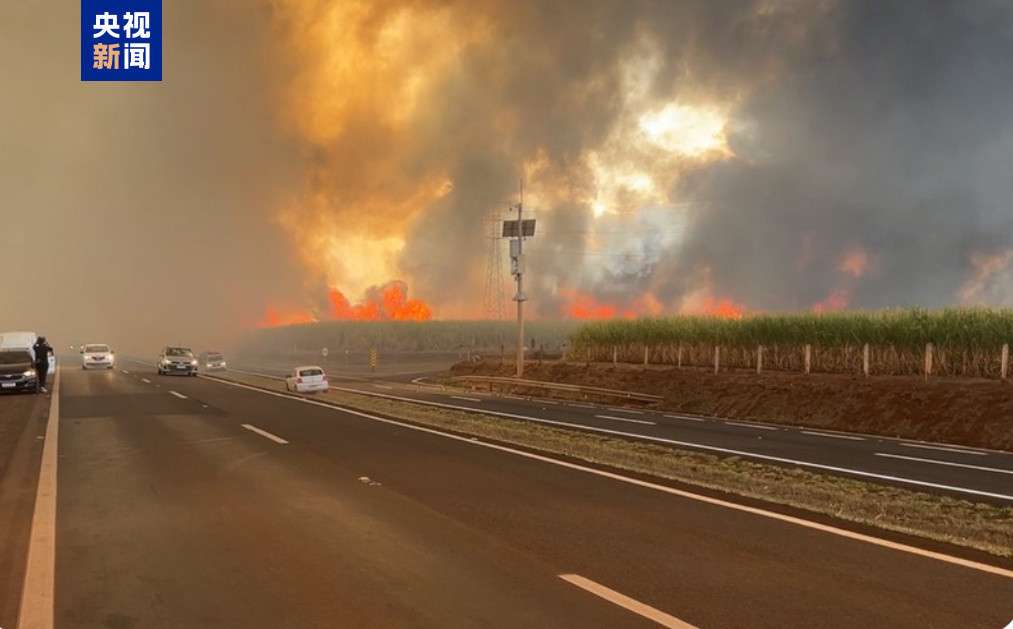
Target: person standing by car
42,351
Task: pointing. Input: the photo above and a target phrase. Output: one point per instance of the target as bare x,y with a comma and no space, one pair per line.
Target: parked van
24,340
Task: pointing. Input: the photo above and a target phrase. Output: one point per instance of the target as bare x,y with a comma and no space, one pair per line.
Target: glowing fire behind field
389,302
586,307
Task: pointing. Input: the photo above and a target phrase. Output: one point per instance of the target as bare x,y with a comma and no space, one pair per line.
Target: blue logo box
121,40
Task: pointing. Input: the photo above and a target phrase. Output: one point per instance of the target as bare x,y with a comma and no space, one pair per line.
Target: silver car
177,360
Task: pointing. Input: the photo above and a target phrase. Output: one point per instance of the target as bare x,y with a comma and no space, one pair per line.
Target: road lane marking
942,449
179,395
626,419
37,596
643,437
582,405
949,463
383,386
466,399
756,426
145,380
790,519
686,417
264,433
124,371
630,604
831,435
626,410
546,402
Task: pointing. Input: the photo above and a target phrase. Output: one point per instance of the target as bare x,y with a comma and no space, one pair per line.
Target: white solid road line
756,426
831,435
626,419
790,519
938,462
633,605
37,596
466,399
264,433
686,417
677,442
179,395
942,449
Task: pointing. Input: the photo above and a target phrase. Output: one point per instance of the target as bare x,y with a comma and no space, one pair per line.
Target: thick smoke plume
679,155
682,155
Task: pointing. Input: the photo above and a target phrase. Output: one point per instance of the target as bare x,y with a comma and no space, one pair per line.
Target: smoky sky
144,214
140,214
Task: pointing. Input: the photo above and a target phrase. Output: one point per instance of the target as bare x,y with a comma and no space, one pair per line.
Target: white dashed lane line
686,417
626,419
942,449
755,426
179,395
265,434
948,463
627,603
831,435
145,381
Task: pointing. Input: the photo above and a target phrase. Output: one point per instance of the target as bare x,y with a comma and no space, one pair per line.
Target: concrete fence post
717,358
865,360
678,357
1005,361
647,354
759,359
808,358
928,360
615,355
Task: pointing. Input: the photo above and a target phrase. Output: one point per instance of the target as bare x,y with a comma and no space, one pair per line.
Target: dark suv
17,371
177,360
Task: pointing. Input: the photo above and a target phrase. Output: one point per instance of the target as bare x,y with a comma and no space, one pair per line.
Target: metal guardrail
585,392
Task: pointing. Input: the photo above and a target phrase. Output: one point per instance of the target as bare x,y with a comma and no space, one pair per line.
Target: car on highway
24,340
97,356
212,361
178,360
307,379
17,371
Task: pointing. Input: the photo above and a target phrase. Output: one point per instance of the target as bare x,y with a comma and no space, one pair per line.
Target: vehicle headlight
29,373
165,361
193,362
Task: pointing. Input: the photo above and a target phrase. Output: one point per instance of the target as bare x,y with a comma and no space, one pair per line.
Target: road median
941,518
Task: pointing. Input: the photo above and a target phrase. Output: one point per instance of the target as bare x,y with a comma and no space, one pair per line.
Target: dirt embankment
973,413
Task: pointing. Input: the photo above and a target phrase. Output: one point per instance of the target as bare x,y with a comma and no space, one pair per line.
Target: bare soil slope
969,412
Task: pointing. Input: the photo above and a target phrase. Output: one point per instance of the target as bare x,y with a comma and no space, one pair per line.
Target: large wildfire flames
389,302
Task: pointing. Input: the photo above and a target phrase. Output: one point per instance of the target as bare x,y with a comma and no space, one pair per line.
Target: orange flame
855,263
387,303
274,318
382,303
837,300
722,309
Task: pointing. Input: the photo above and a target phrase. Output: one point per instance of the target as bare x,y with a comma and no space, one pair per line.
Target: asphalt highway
971,473
187,502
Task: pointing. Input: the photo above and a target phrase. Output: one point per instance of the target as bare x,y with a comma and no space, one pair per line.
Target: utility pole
517,231
520,297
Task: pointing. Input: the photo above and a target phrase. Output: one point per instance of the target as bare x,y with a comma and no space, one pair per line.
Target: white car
97,357
306,379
